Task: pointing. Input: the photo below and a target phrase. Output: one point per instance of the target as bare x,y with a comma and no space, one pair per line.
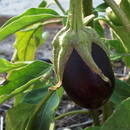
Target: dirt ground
44,51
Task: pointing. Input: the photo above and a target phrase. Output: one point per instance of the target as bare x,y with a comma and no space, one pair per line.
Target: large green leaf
20,80
30,12
31,16
121,92
19,117
46,117
7,66
93,128
123,36
28,41
120,119
24,115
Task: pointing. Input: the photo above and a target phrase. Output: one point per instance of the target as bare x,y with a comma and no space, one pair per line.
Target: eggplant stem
107,111
95,116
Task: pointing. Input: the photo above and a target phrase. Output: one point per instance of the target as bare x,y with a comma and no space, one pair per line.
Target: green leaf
45,83
119,49
23,116
43,4
38,84
20,80
127,60
116,56
99,29
46,117
101,8
14,120
120,118
30,12
28,41
93,128
95,12
7,66
123,36
97,25
18,98
121,92
31,16
19,117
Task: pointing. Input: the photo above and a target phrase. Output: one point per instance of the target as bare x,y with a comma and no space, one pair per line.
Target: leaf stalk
60,7
71,113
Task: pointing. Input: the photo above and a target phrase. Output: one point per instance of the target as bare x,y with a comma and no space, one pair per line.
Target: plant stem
75,20
118,11
48,95
59,5
107,111
87,9
71,113
95,115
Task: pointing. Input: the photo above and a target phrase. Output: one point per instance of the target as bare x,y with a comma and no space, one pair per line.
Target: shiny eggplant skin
85,87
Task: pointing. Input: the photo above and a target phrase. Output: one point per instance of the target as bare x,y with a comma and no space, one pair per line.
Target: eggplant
81,62
85,87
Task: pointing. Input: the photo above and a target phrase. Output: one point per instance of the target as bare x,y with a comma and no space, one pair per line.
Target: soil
44,51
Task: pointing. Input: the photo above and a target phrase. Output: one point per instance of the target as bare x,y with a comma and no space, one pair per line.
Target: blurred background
16,7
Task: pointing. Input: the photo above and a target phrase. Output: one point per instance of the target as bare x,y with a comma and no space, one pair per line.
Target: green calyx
76,36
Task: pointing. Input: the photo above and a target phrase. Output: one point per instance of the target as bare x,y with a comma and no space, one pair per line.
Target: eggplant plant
82,61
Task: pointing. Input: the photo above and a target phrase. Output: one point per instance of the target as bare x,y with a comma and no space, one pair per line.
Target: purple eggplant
85,87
